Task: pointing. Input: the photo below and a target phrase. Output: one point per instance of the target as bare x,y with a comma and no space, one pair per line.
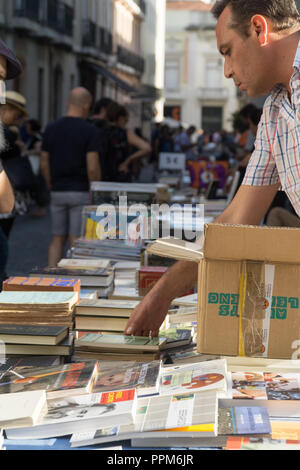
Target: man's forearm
7,198
177,281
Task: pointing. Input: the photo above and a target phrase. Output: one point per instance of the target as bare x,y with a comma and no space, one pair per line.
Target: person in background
164,143
187,146
39,194
99,117
69,163
260,42
116,140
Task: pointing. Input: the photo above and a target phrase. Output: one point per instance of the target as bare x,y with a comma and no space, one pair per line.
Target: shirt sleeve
262,170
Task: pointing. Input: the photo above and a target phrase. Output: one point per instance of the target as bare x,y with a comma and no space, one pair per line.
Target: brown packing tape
252,309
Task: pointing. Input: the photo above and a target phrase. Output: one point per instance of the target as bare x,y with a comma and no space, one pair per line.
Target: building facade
66,43
196,90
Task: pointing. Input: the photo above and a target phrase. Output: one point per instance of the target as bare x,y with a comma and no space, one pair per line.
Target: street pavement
28,244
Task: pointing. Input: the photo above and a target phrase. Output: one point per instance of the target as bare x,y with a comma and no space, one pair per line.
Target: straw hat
17,100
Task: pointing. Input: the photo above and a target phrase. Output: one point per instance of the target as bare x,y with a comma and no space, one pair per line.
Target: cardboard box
249,291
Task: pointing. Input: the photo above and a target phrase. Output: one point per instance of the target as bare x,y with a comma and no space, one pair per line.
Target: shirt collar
279,91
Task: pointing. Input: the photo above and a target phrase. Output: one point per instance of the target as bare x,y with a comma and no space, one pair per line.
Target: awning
109,76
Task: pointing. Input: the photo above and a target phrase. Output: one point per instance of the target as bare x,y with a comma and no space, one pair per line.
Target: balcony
130,59
40,16
213,94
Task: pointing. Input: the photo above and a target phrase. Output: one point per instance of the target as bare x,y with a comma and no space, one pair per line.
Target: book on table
174,416
176,337
57,381
119,343
88,277
200,377
81,413
43,284
144,376
32,334
64,348
103,324
85,264
22,409
106,307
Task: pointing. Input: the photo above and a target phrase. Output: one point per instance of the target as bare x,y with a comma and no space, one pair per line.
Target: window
213,73
212,118
172,75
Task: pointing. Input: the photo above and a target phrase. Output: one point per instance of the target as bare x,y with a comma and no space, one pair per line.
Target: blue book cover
242,420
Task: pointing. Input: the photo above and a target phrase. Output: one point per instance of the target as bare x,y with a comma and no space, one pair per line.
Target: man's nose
228,72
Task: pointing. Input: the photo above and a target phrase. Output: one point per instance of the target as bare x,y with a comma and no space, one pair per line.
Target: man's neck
74,112
285,58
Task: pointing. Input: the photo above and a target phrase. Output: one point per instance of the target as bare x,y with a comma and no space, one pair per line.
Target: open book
178,249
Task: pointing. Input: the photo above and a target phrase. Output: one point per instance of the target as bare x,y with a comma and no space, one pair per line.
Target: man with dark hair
99,117
260,41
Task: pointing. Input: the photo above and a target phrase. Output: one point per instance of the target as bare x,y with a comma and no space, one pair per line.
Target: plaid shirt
276,158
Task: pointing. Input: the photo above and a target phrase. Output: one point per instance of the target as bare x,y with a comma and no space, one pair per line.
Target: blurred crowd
92,142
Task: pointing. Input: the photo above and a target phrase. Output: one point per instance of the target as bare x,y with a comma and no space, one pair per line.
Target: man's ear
260,26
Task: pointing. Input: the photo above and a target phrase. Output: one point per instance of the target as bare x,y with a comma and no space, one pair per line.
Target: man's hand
148,316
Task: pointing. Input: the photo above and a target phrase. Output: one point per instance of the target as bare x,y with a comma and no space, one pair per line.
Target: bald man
69,163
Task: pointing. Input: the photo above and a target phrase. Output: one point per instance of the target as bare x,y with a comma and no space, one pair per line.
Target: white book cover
78,413
197,377
22,409
161,416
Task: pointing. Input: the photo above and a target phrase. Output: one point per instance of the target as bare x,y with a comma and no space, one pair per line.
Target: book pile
97,278
110,192
103,315
41,284
117,347
115,250
38,308
28,340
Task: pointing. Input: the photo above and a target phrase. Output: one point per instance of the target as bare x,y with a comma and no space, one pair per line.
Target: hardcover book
64,348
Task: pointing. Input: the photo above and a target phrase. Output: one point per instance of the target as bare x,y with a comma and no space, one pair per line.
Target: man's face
246,61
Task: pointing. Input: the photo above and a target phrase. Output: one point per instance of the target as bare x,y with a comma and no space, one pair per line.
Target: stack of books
93,277
22,409
41,284
115,250
38,308
103,315
109,347
28,340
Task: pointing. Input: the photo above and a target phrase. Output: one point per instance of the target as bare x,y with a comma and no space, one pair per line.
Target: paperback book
57,381
22,409
145,377
81,413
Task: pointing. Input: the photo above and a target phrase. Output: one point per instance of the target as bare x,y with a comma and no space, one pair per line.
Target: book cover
32,334
22,409
41,284
81,413
123,375
200,376
148,276
239,420
176,337
264,385
56,381
189,416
